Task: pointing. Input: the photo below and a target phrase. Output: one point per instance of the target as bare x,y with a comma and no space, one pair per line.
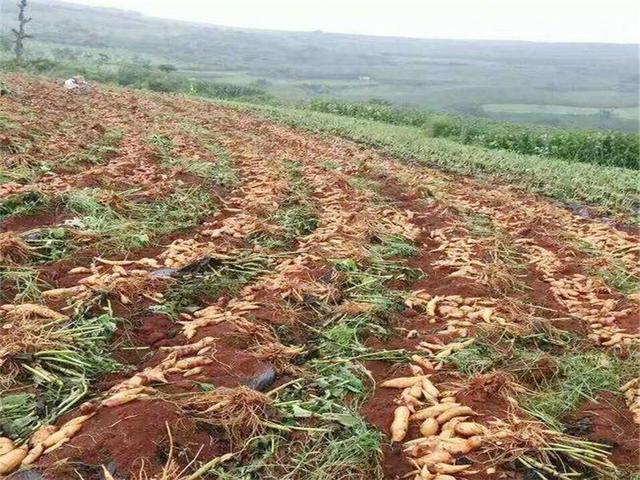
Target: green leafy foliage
22,204
25,281
62,375
193,291
136,224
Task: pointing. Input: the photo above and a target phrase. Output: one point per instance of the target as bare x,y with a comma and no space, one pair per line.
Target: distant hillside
576,85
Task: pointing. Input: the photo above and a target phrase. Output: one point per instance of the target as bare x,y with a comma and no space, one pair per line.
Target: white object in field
71,84
77,81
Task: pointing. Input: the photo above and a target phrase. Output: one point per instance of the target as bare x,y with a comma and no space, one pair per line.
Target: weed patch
135,225
23,204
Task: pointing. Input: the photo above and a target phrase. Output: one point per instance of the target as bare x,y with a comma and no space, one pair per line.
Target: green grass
297,220
480,225
95,153
138,224
7,123
328,164
614,190
51,244
223,276
348,448
354,454
361,183
270,241
560,372
342,338
393,246
25,281
221,171
598,147
21,173
23,204
297,215
620,279
365,282
61,376
581,376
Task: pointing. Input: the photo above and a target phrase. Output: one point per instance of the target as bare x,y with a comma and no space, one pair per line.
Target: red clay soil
486,395
20,224
135,432
608,420
379,412
126,436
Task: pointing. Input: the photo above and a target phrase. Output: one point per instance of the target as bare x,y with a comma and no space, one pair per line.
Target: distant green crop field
597,147
630,113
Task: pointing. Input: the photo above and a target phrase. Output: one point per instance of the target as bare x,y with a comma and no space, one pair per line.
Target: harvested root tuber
447,468
402,382
6,445
12,460
469,429
126,396
454,412
42,434
434,410
34,454
400,423
430,459
423,362
457,446
429,427
429,388
448,429
66,431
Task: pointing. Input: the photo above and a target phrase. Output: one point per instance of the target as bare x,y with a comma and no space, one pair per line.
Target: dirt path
304,218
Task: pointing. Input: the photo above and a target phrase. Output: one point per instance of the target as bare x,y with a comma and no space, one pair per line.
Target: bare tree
20,34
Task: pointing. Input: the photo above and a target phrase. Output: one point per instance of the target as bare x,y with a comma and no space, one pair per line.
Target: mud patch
607,420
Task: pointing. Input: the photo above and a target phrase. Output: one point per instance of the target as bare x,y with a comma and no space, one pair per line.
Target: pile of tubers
631,392
445,427
107,277
591,301
44,440
50,437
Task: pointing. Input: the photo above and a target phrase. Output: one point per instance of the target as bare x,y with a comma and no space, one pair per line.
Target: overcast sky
538,20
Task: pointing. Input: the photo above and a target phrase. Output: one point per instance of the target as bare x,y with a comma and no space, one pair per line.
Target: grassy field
604,148
194,290
441,75
629,113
